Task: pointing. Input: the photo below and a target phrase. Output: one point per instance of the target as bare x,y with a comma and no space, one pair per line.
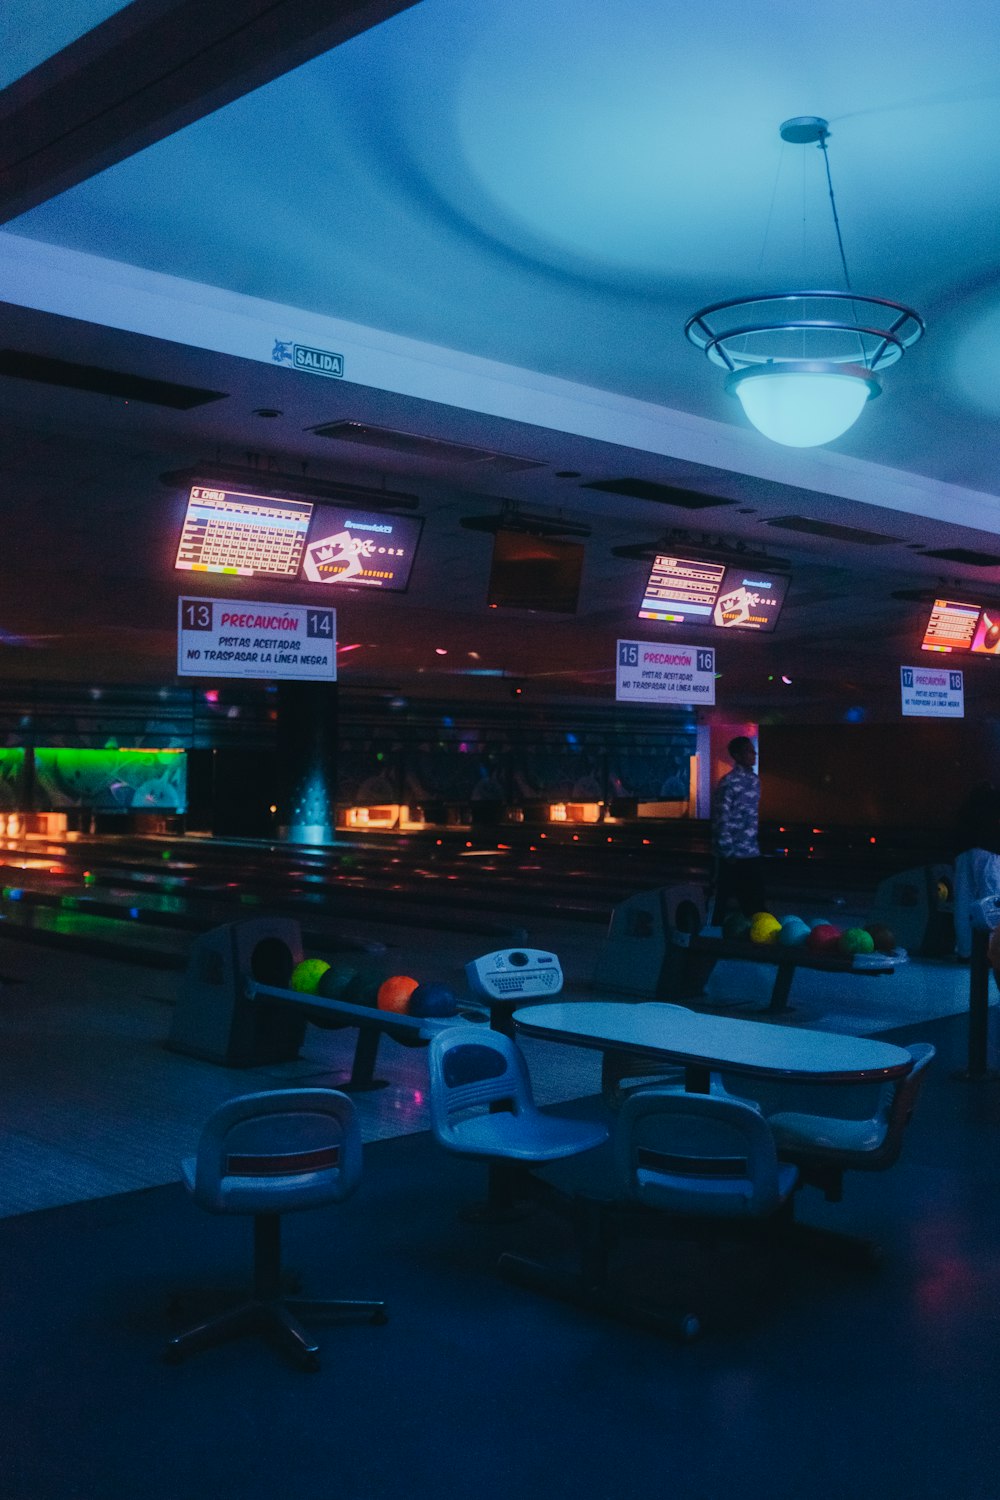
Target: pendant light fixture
803,365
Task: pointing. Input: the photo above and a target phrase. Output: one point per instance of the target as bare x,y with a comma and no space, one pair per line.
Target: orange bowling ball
394,993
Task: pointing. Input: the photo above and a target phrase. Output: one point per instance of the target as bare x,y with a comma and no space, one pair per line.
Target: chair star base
576,1287
833,1244
274,1320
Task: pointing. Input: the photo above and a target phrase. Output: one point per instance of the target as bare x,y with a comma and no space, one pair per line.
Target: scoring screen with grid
246,535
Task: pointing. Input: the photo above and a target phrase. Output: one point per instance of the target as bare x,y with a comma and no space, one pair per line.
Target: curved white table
703,1043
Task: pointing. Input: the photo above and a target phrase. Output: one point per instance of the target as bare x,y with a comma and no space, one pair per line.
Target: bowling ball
794,932
882,936
307,975
334,982
943,890
364,987
331,986
857,940
394,993
764,928
819,922
824,938
433,1000
735,926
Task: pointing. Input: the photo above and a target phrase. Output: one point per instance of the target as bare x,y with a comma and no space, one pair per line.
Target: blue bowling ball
793,932
433,1000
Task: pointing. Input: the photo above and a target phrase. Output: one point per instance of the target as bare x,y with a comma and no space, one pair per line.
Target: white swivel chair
481,1105
265,1155
686,1165
824,1147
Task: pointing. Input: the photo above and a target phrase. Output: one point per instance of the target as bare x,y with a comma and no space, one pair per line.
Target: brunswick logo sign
312,361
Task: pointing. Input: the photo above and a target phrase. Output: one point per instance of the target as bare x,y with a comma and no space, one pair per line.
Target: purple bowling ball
432,1000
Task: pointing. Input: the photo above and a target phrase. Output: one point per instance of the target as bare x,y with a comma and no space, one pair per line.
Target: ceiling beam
149,70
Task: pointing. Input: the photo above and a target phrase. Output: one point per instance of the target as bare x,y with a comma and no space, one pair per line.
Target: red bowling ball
824,939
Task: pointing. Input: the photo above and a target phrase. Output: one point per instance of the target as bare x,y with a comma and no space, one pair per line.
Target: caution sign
932,692
240,638
654,672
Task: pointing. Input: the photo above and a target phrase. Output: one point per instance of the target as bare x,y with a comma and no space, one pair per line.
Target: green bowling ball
363,988
857,940
334,982
736,927
307,975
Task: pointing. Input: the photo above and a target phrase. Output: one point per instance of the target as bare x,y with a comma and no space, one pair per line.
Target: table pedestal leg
781,988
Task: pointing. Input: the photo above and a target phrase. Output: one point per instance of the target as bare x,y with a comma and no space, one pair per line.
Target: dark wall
882,775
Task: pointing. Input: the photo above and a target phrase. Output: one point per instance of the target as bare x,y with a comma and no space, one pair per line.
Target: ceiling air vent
104,382
271,482
664,494
732,555
833,532
963,555
415,446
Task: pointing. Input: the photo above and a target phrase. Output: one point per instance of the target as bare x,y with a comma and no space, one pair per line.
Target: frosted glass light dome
803,405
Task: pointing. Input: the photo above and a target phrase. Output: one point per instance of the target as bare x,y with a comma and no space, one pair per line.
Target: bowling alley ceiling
499,216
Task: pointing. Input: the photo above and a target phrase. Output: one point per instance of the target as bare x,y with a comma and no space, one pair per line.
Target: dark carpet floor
809,1380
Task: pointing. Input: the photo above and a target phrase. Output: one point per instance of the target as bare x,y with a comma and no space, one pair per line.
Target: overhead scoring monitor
696,591
954,626
263,536
250,536
360,549
534,572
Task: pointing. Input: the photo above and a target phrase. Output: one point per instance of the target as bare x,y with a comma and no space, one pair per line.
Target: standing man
735,815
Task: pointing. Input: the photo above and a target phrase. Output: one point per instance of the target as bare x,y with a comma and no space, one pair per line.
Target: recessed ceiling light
268,411
568,473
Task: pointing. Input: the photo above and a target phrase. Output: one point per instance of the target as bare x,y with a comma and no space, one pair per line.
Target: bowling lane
158,892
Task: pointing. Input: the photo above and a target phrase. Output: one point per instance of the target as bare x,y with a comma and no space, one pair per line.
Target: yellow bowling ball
764,928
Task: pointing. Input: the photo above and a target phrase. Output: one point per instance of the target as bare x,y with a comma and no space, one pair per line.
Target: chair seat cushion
526,1137
253,1195
794,1132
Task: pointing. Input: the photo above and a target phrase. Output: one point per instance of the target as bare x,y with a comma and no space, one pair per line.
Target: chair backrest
896,1107
698,1154
472,1068
281,1150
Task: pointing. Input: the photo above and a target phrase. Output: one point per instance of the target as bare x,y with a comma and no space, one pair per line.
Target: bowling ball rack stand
370,1023
977,1069
703,952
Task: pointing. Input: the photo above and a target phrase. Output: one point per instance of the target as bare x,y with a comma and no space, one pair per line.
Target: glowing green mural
11,762
111,780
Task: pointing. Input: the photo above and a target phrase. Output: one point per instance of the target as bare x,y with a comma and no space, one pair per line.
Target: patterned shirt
735,809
